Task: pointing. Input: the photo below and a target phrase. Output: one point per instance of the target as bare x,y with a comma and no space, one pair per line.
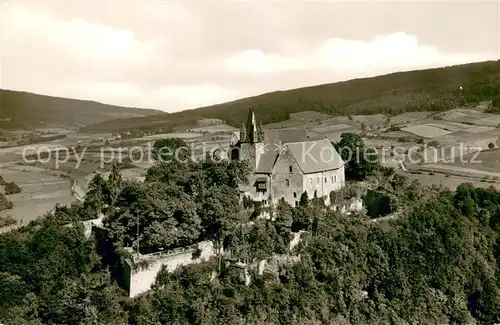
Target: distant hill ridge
27,110
420,90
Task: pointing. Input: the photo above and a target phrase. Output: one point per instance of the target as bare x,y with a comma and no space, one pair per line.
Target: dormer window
261,184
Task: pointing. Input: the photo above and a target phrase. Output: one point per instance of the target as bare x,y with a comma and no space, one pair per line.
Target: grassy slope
29,110
422,90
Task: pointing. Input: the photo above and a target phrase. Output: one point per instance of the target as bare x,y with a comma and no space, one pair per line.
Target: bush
433,143
2,181
12,188
377,204
4,203
495,106
7,221
393,128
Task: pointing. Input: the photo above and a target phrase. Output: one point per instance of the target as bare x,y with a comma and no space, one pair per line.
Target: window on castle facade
294,195
287,182
326,179
290,168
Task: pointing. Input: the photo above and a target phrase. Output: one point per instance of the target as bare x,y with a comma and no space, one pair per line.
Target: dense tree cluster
437,263
360,161
180,203
432,266
49,274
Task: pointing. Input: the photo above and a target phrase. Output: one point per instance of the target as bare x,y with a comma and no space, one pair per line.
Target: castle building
285,163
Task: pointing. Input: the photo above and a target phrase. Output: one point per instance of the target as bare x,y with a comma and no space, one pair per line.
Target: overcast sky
179,55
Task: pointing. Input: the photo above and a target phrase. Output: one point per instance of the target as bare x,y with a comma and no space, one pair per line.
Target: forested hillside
422,90
437,263
26,110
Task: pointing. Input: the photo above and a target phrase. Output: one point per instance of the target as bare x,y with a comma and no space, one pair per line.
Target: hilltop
420,90
27,110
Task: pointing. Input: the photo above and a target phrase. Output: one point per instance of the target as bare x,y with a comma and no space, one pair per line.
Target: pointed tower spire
243,132
252,133
261,132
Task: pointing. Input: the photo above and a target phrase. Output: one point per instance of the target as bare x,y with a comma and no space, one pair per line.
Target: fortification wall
141,274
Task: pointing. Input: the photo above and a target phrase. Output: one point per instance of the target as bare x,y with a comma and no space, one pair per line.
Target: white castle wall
140,274
353,205
140,279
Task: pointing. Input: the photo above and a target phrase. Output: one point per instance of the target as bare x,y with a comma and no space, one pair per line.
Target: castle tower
251,128
251,140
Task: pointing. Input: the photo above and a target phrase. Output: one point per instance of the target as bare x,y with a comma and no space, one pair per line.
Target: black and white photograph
248,162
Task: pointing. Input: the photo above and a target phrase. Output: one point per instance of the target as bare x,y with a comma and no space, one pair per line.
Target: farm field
215,128
425,131
410,117
450,182
450,126
182,135
484,161
377,119
460,171
470,116
41,191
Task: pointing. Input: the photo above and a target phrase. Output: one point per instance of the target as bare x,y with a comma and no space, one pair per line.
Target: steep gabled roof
315,156
273,139
267,161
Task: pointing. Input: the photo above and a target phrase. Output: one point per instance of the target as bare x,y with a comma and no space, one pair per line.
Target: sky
176,55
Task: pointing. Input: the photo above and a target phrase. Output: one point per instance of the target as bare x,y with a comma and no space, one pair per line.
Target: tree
262,237
304,200
162,216
12,188
171,149
283,224
97,195
114,184
377,204
220,215
4,203
360,161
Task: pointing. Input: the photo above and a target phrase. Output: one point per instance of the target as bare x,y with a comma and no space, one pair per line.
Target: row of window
334,180
334,177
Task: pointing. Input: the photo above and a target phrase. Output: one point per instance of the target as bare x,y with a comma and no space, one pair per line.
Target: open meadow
41,191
